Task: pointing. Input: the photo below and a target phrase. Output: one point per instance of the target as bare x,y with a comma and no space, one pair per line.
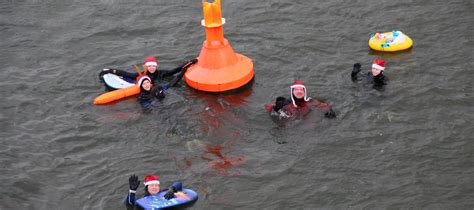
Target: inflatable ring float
390,41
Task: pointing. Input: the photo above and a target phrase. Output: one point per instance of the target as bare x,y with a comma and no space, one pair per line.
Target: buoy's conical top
218,68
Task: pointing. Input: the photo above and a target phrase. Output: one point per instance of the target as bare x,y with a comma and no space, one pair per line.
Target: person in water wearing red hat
375,76
152,187
150,91
299,105
153,72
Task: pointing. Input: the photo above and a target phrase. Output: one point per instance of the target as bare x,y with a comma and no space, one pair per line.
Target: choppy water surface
410,146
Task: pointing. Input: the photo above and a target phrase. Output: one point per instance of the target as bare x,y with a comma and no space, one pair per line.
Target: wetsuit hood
140,81
297,102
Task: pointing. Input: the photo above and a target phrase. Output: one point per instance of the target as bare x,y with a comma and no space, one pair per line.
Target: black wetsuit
158,91
378,82
155,77
148,95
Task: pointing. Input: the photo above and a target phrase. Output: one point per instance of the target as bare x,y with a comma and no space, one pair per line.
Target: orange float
121,93
116,95
218,68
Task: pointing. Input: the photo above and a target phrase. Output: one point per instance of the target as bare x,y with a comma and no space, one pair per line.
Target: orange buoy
116,95
218,68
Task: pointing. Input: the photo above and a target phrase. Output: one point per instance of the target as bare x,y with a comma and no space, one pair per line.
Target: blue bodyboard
154,202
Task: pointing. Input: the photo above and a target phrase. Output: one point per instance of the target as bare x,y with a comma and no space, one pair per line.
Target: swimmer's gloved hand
330,114
280,103
133,182
189,63
177,186
158,91
193,61
107,71
355,70
170,193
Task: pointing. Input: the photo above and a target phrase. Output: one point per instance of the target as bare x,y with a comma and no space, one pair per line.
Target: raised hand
330,114
356,68
105,71
189,63
133,182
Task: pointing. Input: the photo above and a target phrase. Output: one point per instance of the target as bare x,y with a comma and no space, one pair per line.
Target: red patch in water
222,166
187,162
180,167
215,150
121,115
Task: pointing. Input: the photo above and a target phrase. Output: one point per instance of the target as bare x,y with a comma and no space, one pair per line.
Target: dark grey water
409,147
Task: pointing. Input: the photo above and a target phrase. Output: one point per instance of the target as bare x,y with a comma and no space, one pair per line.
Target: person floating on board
153,72
375,76
152,187
299,104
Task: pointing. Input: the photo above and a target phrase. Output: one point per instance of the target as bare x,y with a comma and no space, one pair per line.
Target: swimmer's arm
355,71
178,77
354,77
167,73
130,200
329,112
124,73
320,104
269,107
182,69
118,72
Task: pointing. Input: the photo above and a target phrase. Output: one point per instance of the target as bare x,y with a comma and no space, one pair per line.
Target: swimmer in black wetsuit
375,76
153,72
152,187
149,91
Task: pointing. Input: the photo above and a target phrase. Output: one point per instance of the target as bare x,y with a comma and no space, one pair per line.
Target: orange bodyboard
117,95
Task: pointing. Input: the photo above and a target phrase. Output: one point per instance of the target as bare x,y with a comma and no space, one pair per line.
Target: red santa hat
142,78
151,61
301,85
151,179
378,64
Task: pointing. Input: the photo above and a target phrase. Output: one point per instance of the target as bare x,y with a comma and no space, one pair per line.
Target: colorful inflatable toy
390,41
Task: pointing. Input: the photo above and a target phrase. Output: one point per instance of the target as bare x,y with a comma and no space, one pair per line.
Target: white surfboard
117,82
